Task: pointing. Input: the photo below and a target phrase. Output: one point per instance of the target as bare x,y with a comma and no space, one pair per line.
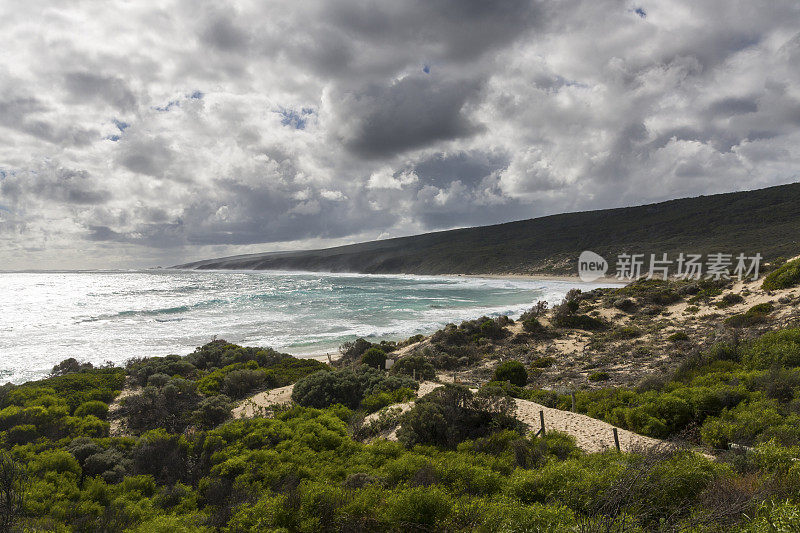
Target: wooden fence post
541,420
616,439
573,402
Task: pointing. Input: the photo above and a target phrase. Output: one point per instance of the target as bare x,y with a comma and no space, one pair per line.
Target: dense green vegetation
463,464
785,276
763,221
349,387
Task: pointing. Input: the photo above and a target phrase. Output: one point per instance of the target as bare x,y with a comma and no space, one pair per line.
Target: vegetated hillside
765,221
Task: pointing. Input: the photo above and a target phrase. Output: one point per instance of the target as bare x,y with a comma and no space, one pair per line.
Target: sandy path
591,435
116,423
256,404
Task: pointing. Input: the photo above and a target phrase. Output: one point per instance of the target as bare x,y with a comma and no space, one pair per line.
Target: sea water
102,316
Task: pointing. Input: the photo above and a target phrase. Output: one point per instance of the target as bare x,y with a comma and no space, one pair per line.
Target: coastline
540,277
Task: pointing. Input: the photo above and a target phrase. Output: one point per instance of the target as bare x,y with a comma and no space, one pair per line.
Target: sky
139,133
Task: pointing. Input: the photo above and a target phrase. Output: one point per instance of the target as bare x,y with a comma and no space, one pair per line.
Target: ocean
100,316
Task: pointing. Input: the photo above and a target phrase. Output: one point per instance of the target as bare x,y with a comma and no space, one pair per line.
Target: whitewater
102,316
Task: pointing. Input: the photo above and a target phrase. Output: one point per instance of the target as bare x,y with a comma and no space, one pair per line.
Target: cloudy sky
151,133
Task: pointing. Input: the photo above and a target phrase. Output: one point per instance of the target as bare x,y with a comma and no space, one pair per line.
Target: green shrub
786,276
543,361
212,411
452,414
68,366
730,299
374,357
493,329
352,350
415,365
240,383
774,348
418,507
22,434
347,386
512,371
762,308
379,400
586,322
169,407
94,407
625,332
678,336
599,376
536,329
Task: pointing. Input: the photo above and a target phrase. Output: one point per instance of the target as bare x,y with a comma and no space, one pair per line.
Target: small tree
374,357
512,371
12,479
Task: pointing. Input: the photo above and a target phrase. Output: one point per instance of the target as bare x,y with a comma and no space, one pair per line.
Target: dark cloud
223,33
29,115
413,112
469,168
460,30
63,185
145,155
87,87
727,107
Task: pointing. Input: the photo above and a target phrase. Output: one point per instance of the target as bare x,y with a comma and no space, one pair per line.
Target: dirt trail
591,435
256,405
116,423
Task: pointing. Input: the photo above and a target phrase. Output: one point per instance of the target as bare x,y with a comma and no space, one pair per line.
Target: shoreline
539,277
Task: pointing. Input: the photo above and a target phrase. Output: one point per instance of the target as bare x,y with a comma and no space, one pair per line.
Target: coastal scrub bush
452,414
512,371
786,276
94,407
12,489
536,329
374,357
599,376
239,383
141,369
565,315
780,347
730,299
347,386
67,366
352,350
754,316
415,365
220,353
379,400
678,336
651,292
212,411
169,407
625,332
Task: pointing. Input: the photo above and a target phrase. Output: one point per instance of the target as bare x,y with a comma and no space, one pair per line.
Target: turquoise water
116,315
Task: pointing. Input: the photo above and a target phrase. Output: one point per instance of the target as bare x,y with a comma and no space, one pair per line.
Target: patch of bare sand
115,422
591,435
257,405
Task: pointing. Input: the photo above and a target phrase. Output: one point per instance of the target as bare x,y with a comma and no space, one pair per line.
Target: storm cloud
136,134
